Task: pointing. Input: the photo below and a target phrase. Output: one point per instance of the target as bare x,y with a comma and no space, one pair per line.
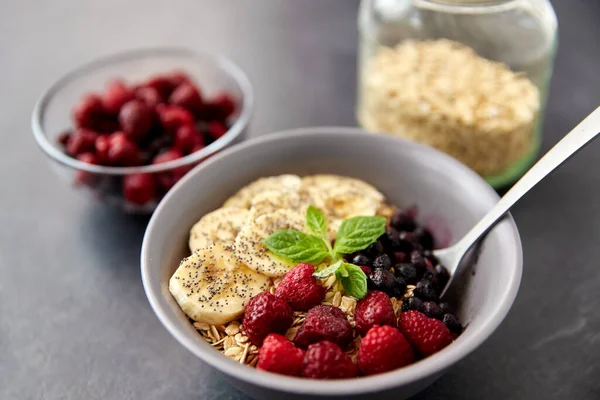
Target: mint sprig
355,234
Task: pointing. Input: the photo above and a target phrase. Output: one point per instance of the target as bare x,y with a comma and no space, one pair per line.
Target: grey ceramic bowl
408,174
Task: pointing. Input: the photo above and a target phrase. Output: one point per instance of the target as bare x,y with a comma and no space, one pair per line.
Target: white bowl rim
222,62
427,367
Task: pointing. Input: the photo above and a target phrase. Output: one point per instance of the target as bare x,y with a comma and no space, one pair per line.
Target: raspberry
325,360
83,141
216,129
266,314
148,95
187,137
89,111
299,288
117,94
324,322
427,335
136,118
172,117
222,105
186,95
383,349
375,309
280,356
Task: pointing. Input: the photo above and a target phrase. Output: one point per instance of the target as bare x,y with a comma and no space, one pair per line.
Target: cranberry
216,129
82,141
139,188
122,151
135,118
89,111
187,137
223,105
172,117
167,179
116,95
148,95
187,96
84,177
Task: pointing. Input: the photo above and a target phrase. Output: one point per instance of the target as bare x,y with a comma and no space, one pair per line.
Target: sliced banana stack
212,286
243,198
218,227
249,247
274,200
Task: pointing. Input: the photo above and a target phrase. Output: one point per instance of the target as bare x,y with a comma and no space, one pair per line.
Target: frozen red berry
427,335
89,111
280,356
325,360
116,95
139,188
266,314
324,322
187,96
374,309
223,106
187,137
300,288
216,129
148,95
122,151
136,119
383,349
81,142
167,179
172,117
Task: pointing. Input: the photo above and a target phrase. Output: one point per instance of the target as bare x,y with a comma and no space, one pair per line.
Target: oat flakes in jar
469,77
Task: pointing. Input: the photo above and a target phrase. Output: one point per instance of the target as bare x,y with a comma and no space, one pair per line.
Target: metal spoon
574,141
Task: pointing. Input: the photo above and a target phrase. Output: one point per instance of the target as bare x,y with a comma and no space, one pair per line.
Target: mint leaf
357,233
316,222
355,283
297,246
342,271
324,273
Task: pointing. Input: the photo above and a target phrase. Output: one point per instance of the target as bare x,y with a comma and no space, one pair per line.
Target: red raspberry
383,349
324,322
374,309
82,141
148,95
121,150
266,314
172,117
116,95
299,288
216,129
427,335
139,188
187,137
222,106
89,111
280,356
187,95
136,119
167,179
325,360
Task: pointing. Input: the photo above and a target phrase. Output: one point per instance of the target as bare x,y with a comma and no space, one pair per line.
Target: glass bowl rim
219,61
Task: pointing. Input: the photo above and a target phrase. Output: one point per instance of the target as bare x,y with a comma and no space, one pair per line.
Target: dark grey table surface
74,320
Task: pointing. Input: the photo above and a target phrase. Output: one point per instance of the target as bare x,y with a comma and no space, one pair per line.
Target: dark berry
406,241
139,188
403,221
392,237
408,272
425,291
452,323
374,309
400,257
375,249
382,261
367,270
136,119
417,259
325,360
264,314
442,274
324,322
432,310
446,308
361,260
385,281
424,237
300,288
413,303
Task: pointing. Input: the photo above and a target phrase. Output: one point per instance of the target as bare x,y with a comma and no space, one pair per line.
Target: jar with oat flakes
469,77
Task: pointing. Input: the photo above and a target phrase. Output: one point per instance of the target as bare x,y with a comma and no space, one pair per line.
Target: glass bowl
52,116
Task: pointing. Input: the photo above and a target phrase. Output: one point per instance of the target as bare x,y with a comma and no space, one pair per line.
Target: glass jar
469,77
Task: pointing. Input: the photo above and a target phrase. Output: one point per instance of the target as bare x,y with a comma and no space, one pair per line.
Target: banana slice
273,200
324,183
249,247
243,198
220,226
212,286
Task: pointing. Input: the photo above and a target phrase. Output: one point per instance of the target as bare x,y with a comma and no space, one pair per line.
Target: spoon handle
574,141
